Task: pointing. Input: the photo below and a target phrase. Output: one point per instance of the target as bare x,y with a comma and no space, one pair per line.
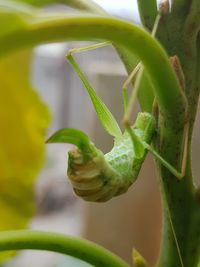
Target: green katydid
98,177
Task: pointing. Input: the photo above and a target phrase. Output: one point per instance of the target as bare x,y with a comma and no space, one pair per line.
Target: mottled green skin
101,177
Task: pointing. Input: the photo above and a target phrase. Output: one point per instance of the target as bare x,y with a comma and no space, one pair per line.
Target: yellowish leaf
23,120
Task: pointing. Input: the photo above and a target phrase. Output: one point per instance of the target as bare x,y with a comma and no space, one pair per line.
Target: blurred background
131,220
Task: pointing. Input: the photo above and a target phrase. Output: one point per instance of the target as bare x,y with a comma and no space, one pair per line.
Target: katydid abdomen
97,177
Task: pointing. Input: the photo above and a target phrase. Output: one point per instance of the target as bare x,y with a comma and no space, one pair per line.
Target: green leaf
72,136
104,115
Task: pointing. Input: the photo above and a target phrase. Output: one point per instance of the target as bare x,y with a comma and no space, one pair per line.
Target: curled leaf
71,136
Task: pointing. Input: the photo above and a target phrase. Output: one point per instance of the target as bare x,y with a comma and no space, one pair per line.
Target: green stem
78,248
178,197
145,94
168,93
189,50
192,23
177,201
84,5
180,7
148,12
190,61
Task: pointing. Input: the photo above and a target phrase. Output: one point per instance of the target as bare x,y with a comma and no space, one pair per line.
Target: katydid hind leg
172,169
137,73
103,113
87,48
130,78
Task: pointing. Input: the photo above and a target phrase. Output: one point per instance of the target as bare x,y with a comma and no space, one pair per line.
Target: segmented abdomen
98,177
102,177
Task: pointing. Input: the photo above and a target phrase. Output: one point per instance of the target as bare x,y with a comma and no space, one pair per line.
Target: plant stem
180,7
148,12
78,248
168,93
84,5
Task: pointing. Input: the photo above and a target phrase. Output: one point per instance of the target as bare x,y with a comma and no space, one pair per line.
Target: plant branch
145,94
78,248
180,7
40,30
190,33
193,20
84,5
148,12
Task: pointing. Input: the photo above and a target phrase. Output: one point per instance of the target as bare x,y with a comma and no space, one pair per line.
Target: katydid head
145,125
